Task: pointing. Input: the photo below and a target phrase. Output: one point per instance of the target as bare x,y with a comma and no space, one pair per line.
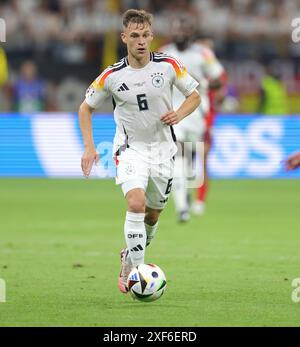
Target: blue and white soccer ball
146,282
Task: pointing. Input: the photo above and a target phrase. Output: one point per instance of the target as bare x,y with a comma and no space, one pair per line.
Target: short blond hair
137,16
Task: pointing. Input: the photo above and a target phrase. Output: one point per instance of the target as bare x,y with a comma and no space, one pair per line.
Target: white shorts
154,179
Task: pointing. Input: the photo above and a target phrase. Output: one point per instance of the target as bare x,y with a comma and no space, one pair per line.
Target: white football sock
179,189
135,236
150,230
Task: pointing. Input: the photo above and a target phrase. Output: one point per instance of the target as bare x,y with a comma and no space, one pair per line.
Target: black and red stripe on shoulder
180,70
100,80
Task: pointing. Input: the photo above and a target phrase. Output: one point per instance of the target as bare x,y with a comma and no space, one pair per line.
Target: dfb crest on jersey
90,91
130,169
157,79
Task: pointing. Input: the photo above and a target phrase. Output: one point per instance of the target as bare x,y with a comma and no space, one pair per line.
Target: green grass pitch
60,243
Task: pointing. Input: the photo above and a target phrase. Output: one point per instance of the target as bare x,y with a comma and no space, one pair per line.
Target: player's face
138,38
182,34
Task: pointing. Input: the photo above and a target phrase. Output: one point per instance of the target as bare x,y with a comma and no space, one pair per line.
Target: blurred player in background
141,86
205,68
273,98
216,94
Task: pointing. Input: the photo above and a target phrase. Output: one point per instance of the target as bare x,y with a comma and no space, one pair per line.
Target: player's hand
170,118
293,162
90,156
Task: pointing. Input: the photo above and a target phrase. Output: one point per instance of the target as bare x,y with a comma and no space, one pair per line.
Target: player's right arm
90,154
95,95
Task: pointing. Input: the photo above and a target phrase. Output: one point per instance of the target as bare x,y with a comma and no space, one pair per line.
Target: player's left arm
187,107
187,85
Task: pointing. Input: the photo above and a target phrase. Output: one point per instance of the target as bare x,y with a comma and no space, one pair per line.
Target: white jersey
141,97
202,65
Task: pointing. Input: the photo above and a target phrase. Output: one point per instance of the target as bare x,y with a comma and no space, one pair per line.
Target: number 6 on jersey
142,102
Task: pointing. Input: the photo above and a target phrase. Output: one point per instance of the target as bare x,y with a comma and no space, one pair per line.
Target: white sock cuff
135,217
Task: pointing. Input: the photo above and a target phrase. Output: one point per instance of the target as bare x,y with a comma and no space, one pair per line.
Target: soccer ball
146,282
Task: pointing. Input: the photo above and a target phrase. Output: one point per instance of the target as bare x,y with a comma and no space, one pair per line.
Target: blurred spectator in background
3,68
29,91
273,96
3,80
68,38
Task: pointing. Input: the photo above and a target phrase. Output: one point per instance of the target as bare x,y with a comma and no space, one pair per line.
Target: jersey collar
151,58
